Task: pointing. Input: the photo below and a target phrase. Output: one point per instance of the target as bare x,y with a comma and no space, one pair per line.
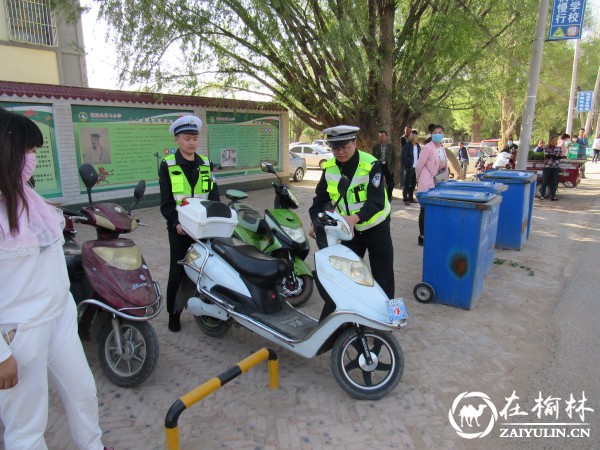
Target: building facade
38,46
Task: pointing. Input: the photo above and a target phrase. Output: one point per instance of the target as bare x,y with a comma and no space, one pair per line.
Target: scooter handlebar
75,216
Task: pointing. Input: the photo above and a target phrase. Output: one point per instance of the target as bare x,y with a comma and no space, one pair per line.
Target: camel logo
470,413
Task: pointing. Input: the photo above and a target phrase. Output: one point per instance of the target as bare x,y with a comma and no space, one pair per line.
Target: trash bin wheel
424,293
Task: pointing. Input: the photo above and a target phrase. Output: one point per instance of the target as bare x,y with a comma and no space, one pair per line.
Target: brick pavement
495,348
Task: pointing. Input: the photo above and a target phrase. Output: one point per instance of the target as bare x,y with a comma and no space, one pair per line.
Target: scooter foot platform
289,322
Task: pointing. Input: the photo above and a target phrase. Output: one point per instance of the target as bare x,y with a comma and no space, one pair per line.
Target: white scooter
232,281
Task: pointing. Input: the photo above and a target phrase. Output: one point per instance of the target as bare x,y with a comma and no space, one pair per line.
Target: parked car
297,167
447,142
322,142
314,155
475,150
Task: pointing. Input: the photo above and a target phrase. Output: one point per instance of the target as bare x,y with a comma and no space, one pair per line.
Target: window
31,21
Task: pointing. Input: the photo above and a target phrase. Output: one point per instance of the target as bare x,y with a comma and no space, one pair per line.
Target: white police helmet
187,125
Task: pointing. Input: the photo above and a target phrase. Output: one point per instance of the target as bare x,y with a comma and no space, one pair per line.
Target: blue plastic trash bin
482,186
517,206
458,234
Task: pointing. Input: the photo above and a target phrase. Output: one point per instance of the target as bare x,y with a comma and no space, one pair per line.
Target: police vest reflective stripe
180,185
357,192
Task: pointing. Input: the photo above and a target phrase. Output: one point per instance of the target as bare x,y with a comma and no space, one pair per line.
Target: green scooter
278,233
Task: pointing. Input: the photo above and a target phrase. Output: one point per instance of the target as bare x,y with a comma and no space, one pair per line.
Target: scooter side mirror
267,167
343,186
89,176
139,190
138,193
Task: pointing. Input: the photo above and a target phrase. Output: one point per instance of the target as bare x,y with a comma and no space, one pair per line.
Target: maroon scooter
112,287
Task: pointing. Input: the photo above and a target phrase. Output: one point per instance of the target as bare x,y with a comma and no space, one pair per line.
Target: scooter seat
251,219
263,269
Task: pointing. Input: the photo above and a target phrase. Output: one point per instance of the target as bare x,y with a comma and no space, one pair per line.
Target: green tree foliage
370,63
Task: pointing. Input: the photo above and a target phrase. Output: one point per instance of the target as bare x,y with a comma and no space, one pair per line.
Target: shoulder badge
376,180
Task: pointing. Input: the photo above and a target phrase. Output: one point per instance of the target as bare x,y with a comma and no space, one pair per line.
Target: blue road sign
567,19
584,101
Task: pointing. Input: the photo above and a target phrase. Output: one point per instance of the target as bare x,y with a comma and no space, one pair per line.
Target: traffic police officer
366,206
182,174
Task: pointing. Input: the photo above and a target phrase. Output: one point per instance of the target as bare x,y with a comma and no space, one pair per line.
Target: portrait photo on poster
228,157
94,146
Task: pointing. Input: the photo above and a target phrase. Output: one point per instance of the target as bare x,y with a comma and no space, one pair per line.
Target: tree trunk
476,127
386,49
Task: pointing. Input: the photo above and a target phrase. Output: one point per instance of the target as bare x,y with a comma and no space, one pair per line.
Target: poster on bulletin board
125,145
47,172
239,142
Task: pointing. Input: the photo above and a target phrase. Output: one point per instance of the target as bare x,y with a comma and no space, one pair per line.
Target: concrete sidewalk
522,336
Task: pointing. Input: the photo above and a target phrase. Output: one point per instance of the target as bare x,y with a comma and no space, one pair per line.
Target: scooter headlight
296,234
357,271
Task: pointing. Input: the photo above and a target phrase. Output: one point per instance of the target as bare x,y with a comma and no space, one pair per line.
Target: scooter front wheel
301,294
138,357
355,376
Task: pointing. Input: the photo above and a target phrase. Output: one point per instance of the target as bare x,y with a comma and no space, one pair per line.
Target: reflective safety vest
357,192
180,186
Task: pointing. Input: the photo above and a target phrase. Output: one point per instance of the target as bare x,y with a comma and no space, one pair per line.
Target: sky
101,58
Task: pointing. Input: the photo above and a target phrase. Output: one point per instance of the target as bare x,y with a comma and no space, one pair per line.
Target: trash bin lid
489,185
516,176
458,195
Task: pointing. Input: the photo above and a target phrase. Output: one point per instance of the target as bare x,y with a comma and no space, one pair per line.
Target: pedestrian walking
596,148
432,158
410,156
386,154
552,157
463,159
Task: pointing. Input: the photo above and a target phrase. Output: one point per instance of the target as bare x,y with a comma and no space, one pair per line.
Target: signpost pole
532,85
573,88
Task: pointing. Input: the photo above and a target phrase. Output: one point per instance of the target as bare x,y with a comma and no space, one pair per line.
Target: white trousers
50,351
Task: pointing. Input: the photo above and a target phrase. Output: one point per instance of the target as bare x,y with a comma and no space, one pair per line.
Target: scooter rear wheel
139,357
350,368
212,326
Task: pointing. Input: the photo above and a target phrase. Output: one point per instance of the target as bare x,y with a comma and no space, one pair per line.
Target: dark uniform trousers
178,245
378,241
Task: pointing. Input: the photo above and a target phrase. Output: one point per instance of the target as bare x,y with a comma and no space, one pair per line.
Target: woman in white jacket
38,319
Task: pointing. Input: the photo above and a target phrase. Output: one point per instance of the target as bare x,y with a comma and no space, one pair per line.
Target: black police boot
174,324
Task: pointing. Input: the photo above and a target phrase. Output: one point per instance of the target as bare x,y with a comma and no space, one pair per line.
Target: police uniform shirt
192,173
375,194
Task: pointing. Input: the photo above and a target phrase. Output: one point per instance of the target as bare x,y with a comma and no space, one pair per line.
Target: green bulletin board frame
47,172
129,143
239,142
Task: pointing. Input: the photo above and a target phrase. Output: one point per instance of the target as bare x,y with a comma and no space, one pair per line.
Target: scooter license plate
396,310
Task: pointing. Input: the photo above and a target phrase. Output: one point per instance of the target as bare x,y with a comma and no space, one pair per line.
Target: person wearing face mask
432,160
38,317
507,148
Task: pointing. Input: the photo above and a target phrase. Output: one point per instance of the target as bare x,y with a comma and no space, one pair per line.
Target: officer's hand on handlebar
352,220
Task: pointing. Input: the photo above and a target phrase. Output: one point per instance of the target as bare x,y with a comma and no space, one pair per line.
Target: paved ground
532,330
